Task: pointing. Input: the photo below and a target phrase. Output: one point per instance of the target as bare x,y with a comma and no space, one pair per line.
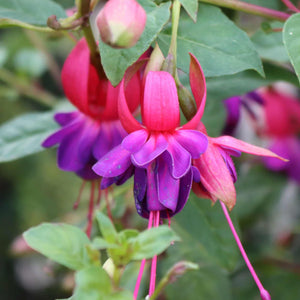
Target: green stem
34,93
186,101
84,10
250,8
173,44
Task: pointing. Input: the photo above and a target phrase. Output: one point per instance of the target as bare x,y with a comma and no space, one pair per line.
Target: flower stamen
264,294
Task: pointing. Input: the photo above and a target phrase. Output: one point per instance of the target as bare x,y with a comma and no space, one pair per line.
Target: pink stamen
290,5
75,205
99,193
154,260
264,294
91,210
169,219
106,196
141,271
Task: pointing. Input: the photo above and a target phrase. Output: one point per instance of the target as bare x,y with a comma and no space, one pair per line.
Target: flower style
94,129
158,152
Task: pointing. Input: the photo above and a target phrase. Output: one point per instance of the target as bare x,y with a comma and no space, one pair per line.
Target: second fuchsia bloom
217,170
94,129
121,23
158,152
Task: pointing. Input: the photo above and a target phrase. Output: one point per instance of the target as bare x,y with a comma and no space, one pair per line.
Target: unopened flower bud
121,23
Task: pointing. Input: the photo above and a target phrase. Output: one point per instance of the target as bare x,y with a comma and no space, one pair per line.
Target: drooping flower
92,130
218,173
217,170
121,23
282,125
158,152
277,122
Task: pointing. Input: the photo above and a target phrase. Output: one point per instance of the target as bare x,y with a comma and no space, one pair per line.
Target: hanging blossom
158,151
282,126
218,176
91,131
277,120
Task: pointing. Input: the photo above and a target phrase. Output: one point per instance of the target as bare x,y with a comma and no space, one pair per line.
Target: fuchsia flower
121,23
217,170
159,152
282,124
94,129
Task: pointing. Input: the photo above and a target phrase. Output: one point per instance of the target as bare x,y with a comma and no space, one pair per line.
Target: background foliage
34,190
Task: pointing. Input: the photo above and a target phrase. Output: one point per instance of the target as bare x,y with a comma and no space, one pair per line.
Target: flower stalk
250,8
84,10
186,101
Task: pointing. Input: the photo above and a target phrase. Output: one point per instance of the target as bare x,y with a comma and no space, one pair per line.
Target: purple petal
59,135
64,119
153,203
135,140
114,163
140,184
107,181
125,176
196,174
102,143
184,191
167,186
87,173
68,157
233,114
178,158
155,146
87,141
193,141
229,164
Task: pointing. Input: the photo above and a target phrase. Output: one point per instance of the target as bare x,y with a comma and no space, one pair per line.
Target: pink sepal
129,123
215,176
198,86
160,104
233,143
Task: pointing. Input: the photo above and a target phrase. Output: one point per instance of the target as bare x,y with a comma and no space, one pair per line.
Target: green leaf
23,135
100,244
219,45
153,242
191,7
94,284
116,61
107,228
28,12
270,45
205,235
291,40
257,191
62,243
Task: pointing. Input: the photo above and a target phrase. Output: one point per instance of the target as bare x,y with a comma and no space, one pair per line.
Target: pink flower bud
121,23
